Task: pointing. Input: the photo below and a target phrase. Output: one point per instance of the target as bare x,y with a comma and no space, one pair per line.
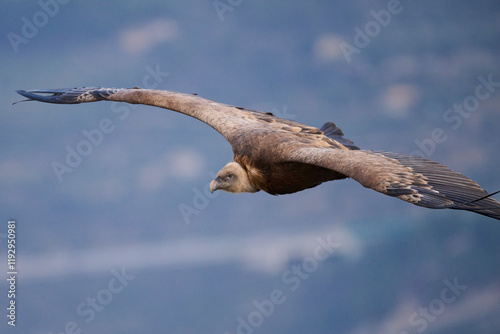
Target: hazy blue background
120,208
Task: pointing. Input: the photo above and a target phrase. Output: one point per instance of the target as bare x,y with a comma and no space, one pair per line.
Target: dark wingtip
32,96
485,205
21,92
484,197
58,96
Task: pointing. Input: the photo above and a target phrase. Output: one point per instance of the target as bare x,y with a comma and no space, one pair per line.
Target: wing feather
223,118
230,121
414,179
334,132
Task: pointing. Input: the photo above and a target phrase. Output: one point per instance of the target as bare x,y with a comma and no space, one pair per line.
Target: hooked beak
215,184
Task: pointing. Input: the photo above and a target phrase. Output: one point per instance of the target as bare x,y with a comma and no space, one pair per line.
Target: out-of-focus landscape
121,235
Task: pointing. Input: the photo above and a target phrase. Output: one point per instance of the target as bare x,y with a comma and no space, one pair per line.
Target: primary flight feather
281,156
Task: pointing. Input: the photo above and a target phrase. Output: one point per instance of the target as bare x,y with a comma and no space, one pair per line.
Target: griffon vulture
281,156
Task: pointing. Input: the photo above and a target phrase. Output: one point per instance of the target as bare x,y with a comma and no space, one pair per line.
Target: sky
111,200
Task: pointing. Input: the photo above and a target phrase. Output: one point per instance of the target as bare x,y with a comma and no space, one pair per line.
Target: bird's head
232,178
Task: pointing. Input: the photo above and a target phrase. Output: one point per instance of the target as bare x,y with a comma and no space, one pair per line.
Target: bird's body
280,156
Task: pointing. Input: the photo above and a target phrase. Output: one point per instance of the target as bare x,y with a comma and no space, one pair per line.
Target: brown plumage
281,156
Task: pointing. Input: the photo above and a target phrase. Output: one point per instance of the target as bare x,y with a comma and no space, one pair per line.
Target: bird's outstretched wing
226,119
414,179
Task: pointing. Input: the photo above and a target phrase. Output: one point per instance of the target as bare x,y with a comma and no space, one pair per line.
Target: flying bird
281,156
